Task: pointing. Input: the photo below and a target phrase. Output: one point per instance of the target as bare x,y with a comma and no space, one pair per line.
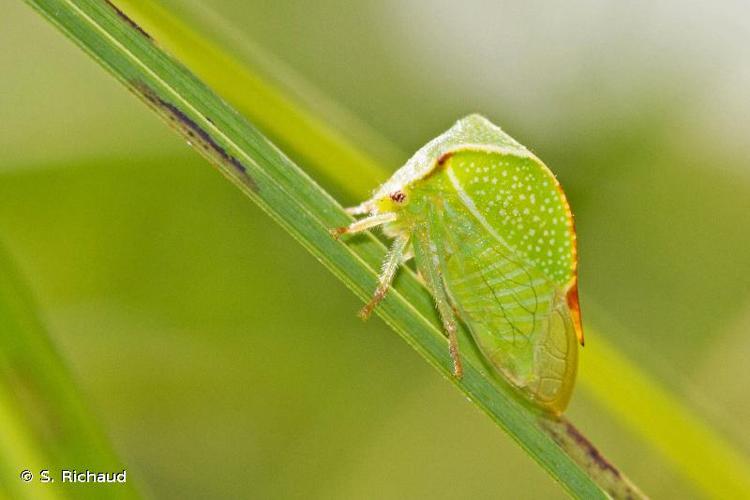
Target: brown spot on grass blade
590,449
128,20
588,457
195,134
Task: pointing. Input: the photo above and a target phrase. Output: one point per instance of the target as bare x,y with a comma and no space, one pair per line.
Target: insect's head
393,202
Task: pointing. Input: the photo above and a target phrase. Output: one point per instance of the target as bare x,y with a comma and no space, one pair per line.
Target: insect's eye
398,196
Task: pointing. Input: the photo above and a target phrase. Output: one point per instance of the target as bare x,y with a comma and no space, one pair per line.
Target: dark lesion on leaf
585,445
194,132
128,20
585,454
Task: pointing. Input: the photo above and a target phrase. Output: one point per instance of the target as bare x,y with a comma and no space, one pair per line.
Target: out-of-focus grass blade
291,198
652,412
44,423
635,399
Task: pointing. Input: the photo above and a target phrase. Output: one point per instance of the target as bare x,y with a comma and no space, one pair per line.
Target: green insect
492,235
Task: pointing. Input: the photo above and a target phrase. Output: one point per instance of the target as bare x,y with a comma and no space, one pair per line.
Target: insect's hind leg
428,261
392,260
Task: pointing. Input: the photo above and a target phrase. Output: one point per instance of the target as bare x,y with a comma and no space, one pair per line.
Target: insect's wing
519,318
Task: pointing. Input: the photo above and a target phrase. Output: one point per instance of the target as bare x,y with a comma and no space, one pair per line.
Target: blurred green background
223,360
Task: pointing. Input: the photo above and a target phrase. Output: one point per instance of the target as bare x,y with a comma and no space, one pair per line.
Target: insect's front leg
361,209
394,258
364,224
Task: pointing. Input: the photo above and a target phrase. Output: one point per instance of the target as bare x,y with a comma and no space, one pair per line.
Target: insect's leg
456,312
392,260
429,262
361,209
364,224
408,255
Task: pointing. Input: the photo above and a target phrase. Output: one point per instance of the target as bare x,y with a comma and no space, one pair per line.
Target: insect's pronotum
493,237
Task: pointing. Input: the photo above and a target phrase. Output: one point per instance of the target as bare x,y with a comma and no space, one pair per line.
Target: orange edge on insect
571,296
575,309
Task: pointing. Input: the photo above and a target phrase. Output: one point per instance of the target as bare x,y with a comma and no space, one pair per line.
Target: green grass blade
44,423
291,198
